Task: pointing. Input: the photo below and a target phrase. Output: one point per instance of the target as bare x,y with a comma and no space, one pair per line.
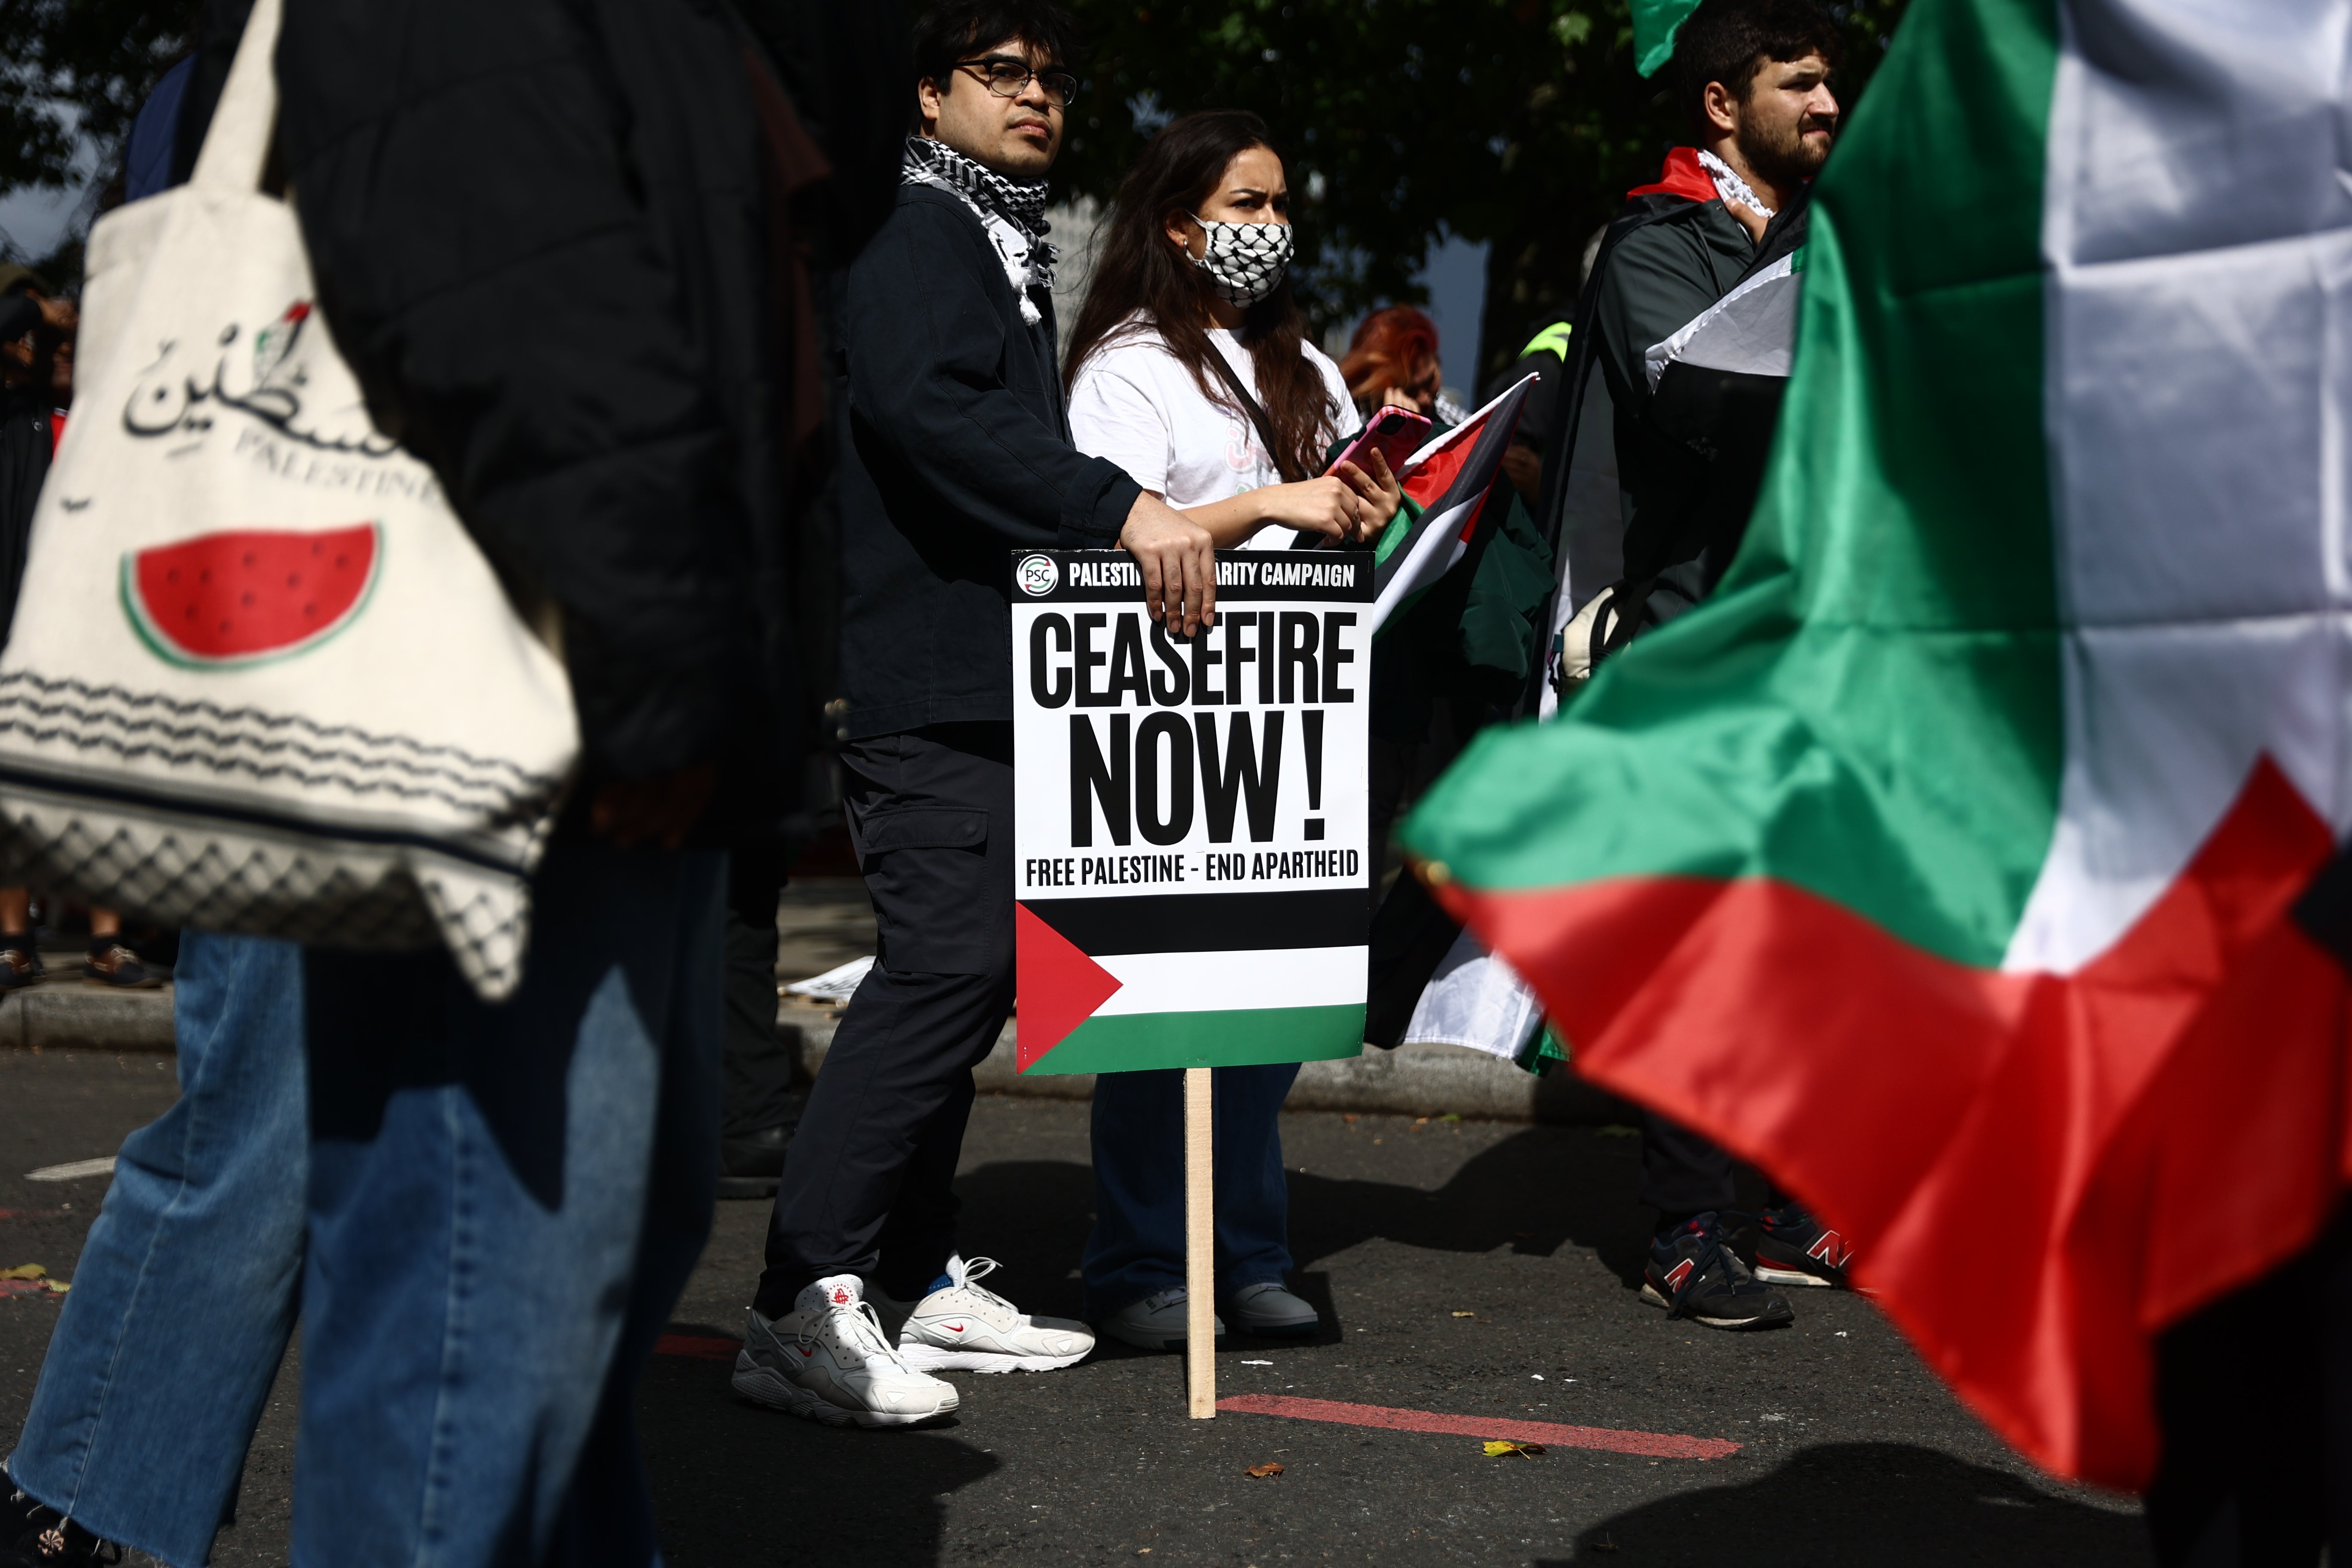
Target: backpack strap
1285,463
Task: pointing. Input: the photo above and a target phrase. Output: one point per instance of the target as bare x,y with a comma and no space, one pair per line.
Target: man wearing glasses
956,451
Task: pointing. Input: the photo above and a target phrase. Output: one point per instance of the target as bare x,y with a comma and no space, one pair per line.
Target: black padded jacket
540,232
957,451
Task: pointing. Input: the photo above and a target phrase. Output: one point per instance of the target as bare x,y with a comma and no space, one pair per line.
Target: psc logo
1038,576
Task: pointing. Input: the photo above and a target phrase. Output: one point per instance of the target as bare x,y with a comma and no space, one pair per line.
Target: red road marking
698,1345
1656,1445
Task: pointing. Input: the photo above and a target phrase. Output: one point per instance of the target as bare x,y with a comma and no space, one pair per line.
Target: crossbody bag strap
1285,464
237,144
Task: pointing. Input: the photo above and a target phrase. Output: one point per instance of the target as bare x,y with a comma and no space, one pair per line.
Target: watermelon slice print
238,597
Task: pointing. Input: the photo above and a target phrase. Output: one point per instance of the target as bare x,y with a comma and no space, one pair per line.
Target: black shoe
750,1167
19,1515
1693,1275
114,966
20,962
1787,1246
46,1539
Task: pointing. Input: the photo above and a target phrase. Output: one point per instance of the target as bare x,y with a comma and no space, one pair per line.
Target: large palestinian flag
1945,862
1448,480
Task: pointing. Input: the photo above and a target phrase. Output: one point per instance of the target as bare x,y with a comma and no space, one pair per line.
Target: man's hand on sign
1179,561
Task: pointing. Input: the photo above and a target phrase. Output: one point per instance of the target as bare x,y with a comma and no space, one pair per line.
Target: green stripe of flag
1870,707
1130,1042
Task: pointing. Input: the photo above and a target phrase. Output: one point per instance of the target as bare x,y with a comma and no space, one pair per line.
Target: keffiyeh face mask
1245,260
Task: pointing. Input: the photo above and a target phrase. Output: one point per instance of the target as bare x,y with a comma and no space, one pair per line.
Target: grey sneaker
827,1361
1154,1324
1267,1310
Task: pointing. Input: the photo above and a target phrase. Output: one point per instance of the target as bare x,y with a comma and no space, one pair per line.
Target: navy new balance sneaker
1787,1246
1693,1275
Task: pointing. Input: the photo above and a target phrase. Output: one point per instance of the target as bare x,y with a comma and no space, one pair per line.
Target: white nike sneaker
963,1327
828,1360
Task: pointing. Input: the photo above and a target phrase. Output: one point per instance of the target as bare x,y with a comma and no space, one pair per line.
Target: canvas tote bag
260,678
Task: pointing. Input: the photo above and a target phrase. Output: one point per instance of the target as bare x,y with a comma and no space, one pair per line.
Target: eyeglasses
1009,78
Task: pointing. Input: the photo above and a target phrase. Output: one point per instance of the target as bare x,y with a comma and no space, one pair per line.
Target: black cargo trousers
867,1186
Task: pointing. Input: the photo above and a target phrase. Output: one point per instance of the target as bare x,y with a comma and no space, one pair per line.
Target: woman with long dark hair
1191,368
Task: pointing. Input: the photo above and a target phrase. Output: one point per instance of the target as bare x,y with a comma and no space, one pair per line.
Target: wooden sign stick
1199,1250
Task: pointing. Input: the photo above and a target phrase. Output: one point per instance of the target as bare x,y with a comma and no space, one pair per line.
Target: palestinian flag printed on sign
1448,482
1945,862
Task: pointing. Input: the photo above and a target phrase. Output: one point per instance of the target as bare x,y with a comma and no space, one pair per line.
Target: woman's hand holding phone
1329,506
1377,490
1348,505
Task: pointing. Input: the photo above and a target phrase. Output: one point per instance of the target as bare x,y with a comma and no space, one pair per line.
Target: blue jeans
186,1292
505,1204
1136,1247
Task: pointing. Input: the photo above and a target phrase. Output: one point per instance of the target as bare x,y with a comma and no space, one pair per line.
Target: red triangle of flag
1442,467
1060,986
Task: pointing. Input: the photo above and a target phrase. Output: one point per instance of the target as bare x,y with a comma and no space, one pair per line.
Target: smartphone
1396,432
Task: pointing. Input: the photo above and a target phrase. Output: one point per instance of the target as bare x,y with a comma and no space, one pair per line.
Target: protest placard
1191,815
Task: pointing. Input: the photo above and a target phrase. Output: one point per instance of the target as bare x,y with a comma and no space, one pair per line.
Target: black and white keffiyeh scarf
1012,210
1730,187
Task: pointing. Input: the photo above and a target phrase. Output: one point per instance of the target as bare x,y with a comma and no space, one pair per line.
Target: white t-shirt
1136,404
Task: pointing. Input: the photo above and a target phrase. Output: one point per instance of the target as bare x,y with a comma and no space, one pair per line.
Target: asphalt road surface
1849,1451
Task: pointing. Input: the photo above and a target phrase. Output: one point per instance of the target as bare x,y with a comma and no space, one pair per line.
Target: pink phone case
1397,432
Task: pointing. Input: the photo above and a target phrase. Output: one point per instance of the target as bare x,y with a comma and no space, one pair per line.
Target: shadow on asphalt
729,1481
1533,1192
1867,1504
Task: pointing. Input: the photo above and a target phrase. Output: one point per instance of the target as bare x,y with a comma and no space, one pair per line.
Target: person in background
1447,665
955,449
37,345
1752,80
615,380
1392,361
1546,357
1191,368
188,1277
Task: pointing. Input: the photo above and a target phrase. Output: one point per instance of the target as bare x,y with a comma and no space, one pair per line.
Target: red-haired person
1393,362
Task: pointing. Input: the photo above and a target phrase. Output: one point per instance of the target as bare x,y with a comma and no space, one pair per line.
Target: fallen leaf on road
1605,1544
1497,1448
1261,1472
1466,1314
25,1271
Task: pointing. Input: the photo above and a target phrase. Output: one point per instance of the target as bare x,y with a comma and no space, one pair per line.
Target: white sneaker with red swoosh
827,1359
961,1327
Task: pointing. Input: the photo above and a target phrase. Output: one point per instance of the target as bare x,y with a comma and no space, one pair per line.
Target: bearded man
1753,76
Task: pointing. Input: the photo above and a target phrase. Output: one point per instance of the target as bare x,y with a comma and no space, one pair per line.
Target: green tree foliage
72,76
1520,123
